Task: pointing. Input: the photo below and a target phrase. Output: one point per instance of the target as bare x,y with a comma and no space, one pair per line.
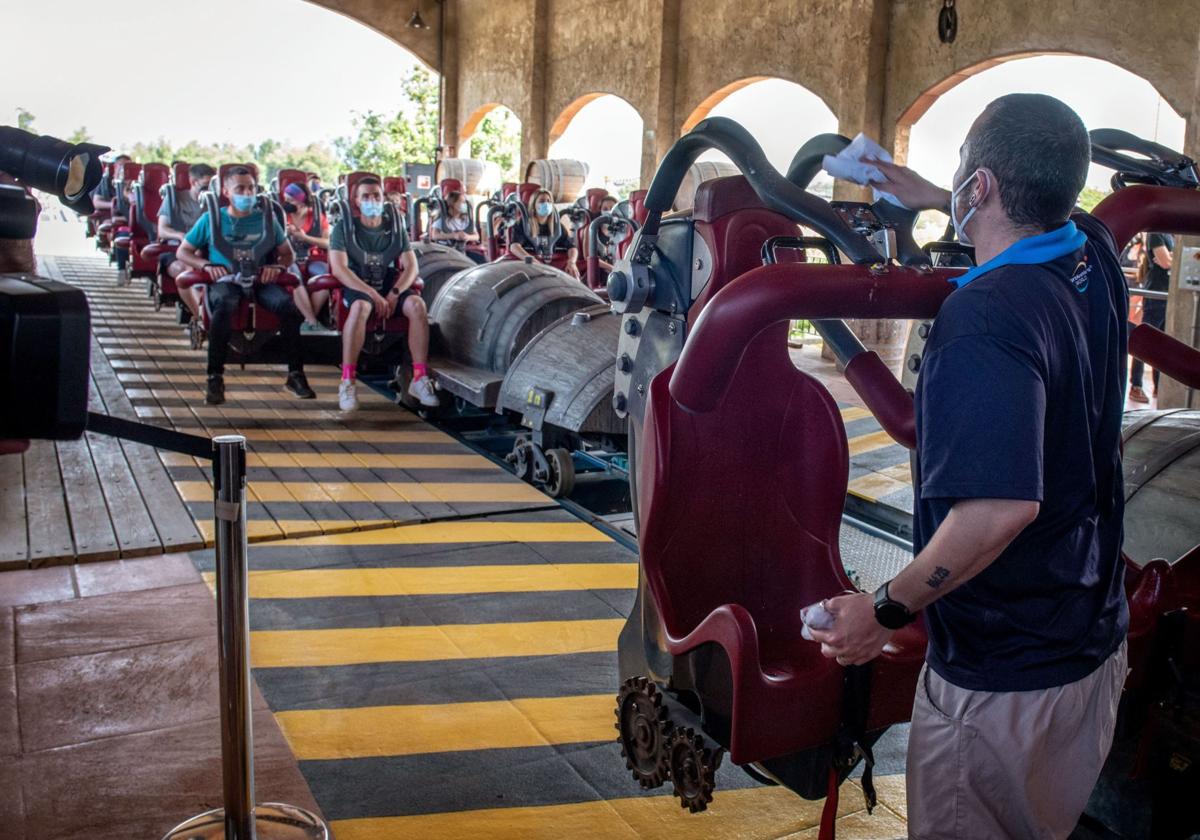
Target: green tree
498,139
1090,197
382,143
269,155
80,136
25,119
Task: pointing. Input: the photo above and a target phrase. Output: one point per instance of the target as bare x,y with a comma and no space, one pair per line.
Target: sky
303,102
177,91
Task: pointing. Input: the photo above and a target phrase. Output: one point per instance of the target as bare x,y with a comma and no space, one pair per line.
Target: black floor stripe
447,681
432,610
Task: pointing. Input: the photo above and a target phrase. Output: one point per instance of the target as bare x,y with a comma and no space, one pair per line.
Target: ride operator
1018,494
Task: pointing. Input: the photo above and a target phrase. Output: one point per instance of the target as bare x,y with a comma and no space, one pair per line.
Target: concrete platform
434,640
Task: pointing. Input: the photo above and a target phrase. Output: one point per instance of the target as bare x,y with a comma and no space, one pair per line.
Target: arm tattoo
939,576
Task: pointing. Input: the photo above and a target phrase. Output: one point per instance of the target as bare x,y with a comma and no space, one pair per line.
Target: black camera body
45,329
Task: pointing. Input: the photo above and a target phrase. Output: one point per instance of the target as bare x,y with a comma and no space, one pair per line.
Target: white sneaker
422,389
123,277
347,396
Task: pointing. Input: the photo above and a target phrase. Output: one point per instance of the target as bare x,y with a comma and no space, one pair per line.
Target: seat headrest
527,191
718,197
395,183
449,185
593,198
179,175
127,171
637,200
153,176
507,189
224,169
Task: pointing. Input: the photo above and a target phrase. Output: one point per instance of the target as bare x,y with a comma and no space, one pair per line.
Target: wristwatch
891,614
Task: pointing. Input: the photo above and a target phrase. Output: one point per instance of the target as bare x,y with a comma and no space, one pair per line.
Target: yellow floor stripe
869,443
318,734
854,413
258,530
372,491
466,532
361,645
365,460
874,486
746,814
451,580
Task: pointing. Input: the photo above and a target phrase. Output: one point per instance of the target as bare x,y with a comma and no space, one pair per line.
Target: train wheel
521,459
643,726
561,480
693,768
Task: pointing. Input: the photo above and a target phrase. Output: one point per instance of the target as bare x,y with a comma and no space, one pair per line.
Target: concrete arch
476,117
1113,30
921,104
706,105
563,120
390,21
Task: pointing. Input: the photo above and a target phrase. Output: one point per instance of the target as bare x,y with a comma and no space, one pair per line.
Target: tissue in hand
854,163
815,617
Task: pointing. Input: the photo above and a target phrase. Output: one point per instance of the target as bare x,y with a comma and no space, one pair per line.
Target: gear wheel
642,726
693,767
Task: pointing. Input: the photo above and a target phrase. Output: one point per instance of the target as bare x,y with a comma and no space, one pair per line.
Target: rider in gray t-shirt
189,210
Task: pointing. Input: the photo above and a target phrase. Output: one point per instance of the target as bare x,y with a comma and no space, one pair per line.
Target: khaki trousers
1018,764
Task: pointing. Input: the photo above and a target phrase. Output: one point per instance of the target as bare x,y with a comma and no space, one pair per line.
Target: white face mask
960,226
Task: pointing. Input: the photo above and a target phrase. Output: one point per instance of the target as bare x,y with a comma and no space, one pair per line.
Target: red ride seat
734,565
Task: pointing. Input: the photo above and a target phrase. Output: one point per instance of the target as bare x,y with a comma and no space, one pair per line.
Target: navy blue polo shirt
1020,397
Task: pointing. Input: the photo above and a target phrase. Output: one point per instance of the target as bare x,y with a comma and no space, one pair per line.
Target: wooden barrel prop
484,317
436,264
697,174
478,177
1161,463
563,178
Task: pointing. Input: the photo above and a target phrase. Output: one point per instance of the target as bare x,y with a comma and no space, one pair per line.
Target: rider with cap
1018,494
187,209
243,223
306,229
375,286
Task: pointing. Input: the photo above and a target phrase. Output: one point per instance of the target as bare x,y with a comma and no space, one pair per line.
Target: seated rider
604,235
454,228
377,287
187,210
545,235
306,229
242,223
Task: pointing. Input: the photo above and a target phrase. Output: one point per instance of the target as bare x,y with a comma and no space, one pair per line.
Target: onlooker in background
1157,273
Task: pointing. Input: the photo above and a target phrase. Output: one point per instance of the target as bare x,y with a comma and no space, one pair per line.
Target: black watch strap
891,614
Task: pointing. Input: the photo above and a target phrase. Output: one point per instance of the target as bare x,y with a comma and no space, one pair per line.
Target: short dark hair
201,170
237,172
1039,151
369,181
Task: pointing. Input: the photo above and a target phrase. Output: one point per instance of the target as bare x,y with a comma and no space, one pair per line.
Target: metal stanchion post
239,819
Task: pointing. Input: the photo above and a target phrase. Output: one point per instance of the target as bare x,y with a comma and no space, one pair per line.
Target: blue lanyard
1032,250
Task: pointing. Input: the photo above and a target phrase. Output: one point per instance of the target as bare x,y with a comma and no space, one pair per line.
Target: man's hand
381,305
914,191
269,274
856,637
215,272
573,263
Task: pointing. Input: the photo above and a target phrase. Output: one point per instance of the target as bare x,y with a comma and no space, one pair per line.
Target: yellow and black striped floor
436,639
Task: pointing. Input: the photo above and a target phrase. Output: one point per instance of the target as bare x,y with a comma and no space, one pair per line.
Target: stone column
860,108
449,85
661,126
535,125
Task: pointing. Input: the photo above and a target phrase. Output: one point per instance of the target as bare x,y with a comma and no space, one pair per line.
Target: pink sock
348,372
420,371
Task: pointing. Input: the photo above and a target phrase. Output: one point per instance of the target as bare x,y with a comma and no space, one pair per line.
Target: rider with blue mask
357,247
544,236
1018,494
242,222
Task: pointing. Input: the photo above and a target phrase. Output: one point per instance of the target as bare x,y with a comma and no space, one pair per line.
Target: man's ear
985,187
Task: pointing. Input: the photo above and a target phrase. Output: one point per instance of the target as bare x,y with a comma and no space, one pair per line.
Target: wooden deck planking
14,538
50,539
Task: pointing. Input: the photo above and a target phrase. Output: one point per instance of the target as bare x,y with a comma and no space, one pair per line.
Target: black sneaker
215,395
298,385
